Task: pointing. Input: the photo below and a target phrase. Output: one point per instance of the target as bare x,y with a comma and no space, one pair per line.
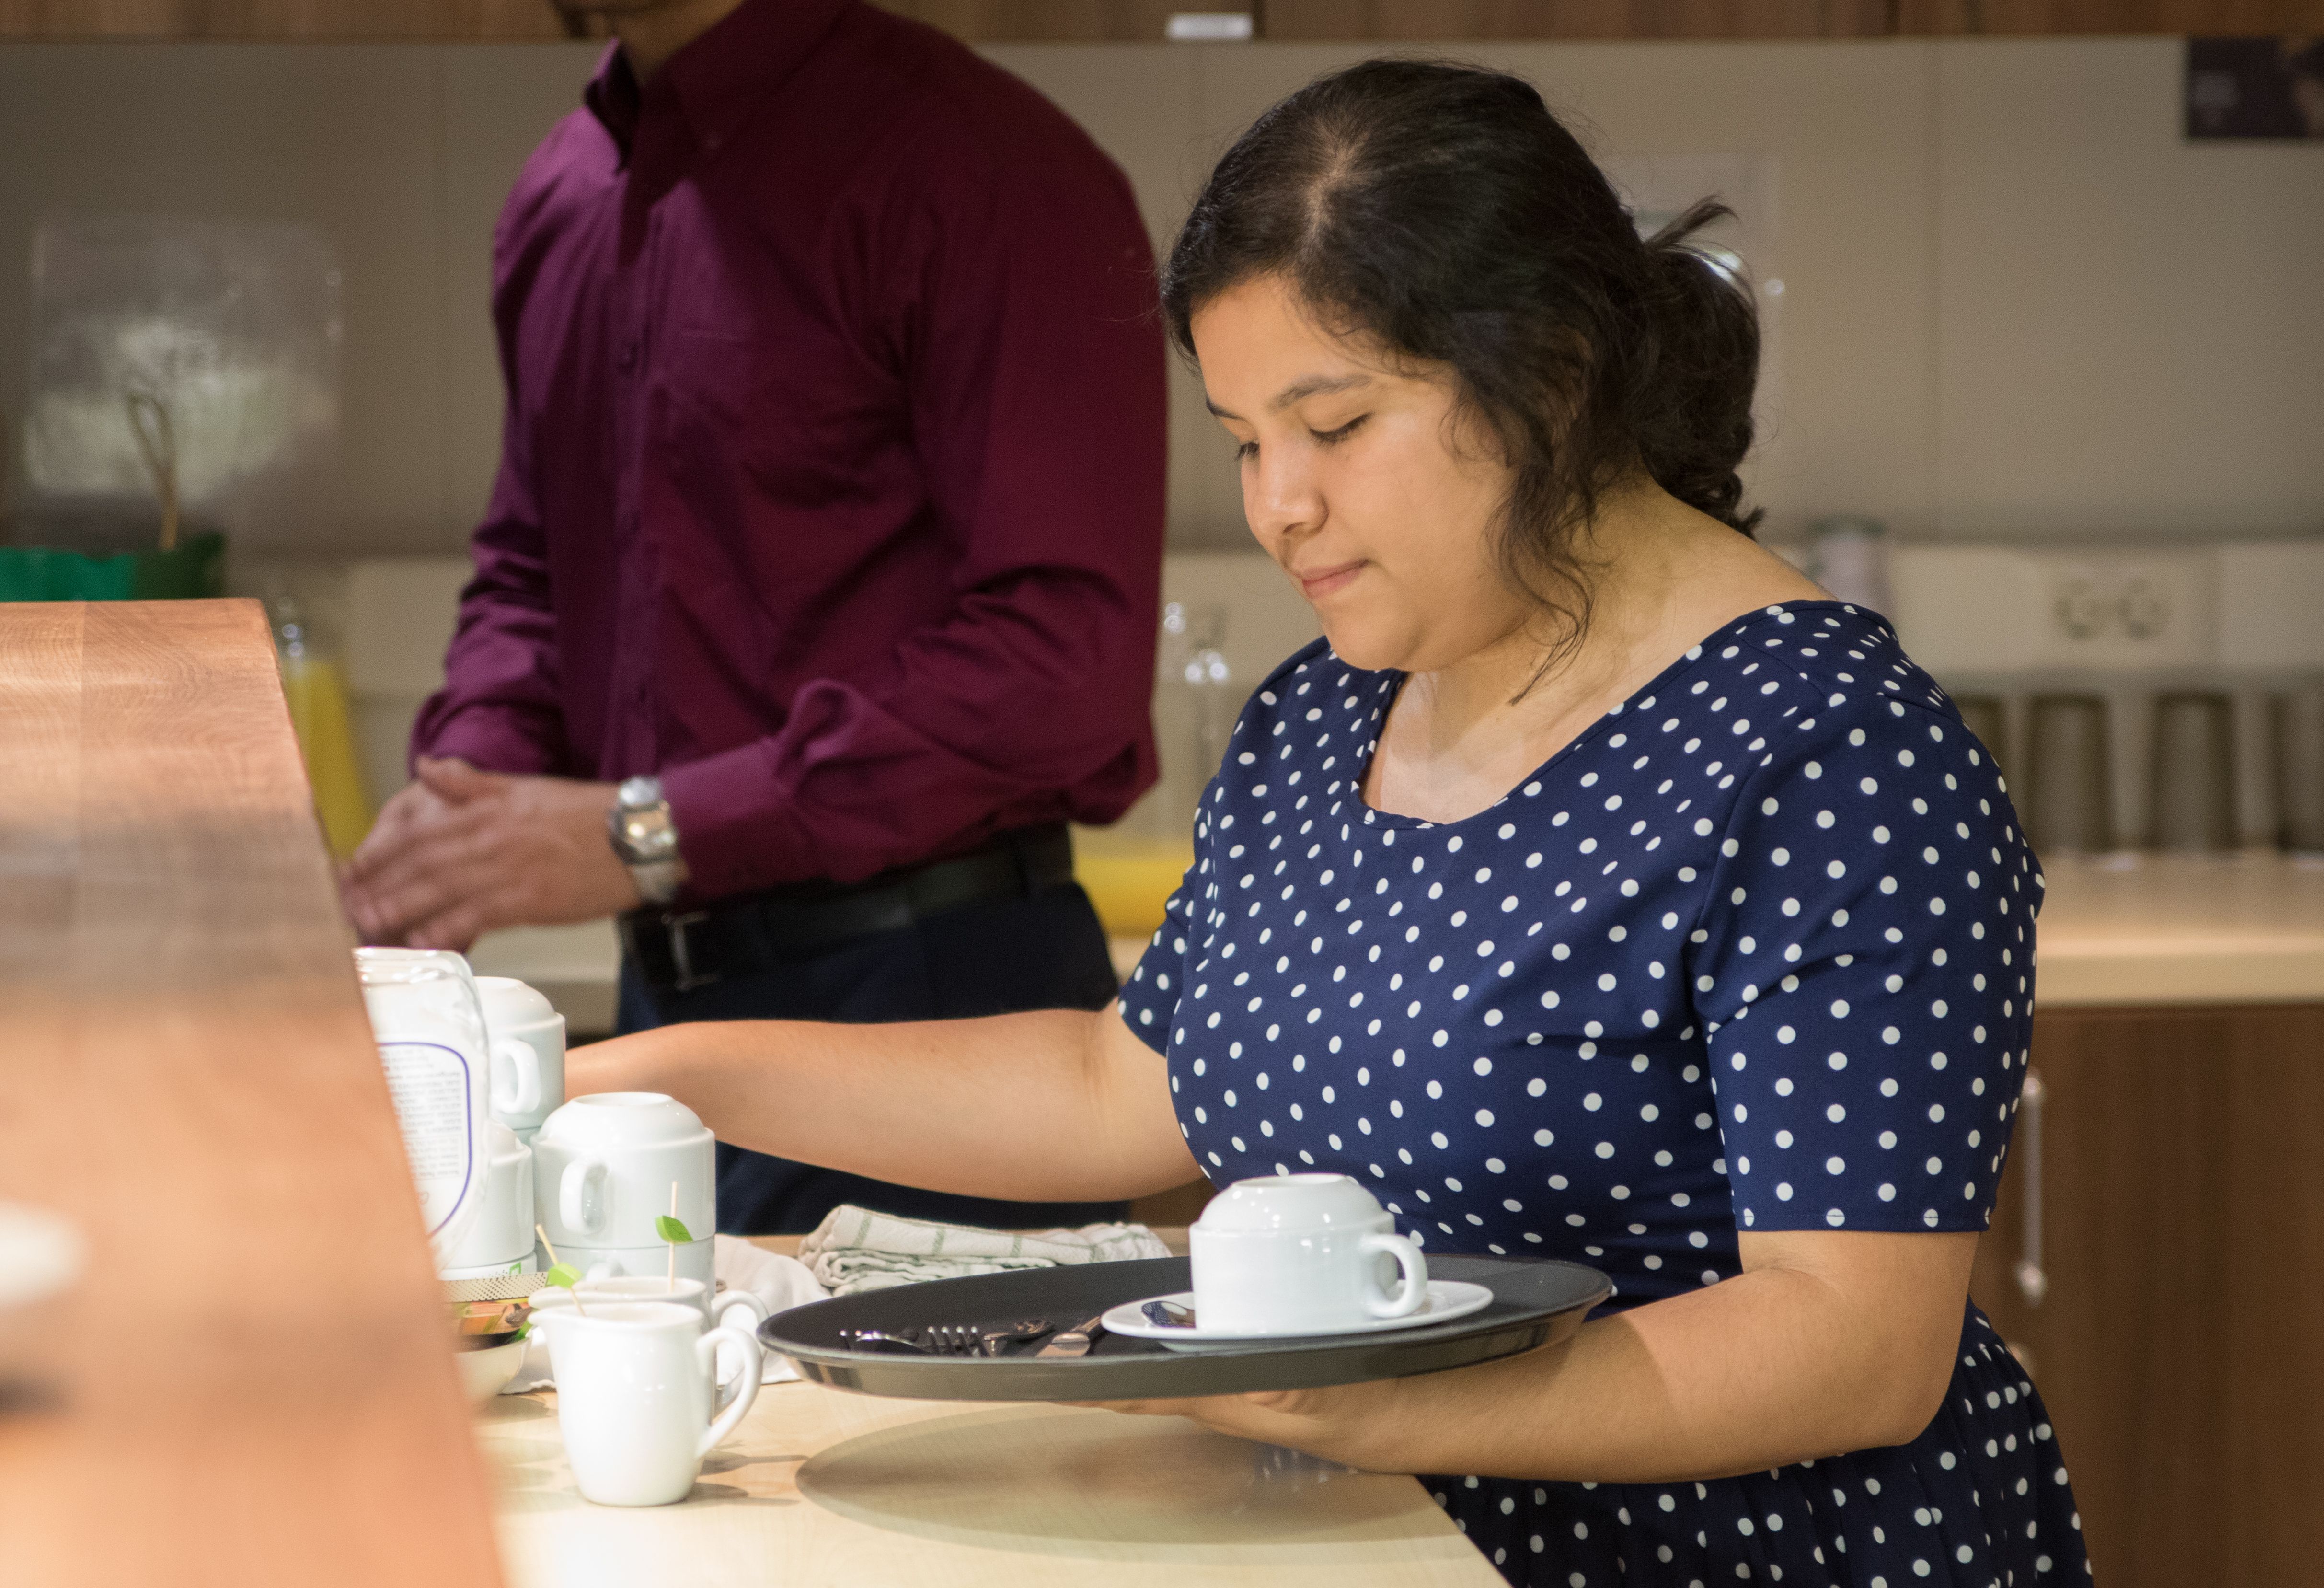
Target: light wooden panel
1062,20
1418,19
253,1384
2221,17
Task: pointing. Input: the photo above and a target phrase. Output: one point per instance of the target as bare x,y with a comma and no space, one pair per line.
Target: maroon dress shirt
831,487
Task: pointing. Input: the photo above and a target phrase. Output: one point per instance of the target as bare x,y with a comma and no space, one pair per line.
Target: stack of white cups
528,1054
527,1037
605,1166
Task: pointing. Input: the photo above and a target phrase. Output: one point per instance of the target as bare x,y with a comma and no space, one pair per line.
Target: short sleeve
1864,966
1150,999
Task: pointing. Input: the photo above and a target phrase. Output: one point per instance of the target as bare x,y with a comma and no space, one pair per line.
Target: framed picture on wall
2256,87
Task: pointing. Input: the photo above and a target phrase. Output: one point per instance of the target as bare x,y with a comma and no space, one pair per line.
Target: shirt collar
718,82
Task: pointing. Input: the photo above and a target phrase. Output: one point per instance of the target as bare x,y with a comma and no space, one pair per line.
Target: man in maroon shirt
818,589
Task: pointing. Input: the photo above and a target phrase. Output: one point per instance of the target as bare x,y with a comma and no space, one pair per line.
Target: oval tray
1535,1304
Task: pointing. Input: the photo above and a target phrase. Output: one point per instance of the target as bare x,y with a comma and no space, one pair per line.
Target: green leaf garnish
671,1231
563,1274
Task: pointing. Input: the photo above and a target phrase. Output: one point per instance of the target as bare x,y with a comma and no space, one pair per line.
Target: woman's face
1358,478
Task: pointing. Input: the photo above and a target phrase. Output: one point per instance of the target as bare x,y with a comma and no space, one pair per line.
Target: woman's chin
1363,646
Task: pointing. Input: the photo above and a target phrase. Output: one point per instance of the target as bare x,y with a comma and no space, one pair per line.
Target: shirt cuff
490,741
735,834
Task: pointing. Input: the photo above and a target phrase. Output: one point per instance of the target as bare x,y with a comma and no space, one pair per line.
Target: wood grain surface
2178,1343
821,1487
253,1383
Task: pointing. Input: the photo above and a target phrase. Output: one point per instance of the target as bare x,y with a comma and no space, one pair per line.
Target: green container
195,568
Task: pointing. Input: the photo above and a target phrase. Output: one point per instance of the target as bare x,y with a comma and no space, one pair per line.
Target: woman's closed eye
1247,450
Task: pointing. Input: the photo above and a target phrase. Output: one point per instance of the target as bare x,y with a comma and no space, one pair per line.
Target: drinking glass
2194,772
2069,803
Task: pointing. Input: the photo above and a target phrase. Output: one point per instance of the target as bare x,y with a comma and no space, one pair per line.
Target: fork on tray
951,1339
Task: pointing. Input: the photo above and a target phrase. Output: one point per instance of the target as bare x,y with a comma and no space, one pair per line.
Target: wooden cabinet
1127,21
2179,1341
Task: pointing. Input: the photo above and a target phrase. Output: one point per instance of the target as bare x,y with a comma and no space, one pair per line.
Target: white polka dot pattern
1754,950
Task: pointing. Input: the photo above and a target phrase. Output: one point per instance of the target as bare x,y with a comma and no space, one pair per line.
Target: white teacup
1286,1254
636,1391
696,1261
605,1164
528,1038
718,1308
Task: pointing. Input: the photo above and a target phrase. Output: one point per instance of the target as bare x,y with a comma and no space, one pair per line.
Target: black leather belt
679,948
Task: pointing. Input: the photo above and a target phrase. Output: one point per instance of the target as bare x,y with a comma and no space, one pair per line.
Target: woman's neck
1660,577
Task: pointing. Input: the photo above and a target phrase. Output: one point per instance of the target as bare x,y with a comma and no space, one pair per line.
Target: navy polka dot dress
1754,952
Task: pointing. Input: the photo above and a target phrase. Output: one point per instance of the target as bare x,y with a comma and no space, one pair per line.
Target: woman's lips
1321,582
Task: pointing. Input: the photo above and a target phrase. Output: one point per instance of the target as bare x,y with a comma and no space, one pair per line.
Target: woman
1600,890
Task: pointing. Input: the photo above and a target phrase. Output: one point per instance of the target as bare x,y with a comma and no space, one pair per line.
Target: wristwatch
645,839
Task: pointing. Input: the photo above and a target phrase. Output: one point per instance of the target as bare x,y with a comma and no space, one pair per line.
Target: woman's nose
1281,498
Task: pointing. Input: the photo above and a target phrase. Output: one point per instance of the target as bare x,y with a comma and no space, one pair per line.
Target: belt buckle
681,953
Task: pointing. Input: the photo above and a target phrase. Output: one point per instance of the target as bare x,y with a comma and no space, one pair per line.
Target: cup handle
1412,1292
581,1195
516,1077
720,1306
746,1388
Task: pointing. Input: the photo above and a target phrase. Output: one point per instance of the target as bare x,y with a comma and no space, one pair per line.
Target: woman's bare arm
1060,1105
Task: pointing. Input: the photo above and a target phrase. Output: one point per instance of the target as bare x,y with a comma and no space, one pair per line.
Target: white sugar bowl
604,1166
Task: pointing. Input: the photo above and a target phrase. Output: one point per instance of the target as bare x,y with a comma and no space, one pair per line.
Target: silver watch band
644,837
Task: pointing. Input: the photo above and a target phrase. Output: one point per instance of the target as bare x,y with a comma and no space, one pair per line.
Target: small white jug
636,1389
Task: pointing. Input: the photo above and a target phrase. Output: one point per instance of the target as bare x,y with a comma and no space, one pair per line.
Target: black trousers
996,956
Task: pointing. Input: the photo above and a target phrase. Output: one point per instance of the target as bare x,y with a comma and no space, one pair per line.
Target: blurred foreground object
315,688
192,1077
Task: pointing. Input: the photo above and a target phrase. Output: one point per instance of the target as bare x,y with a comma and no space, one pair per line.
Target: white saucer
1447,1299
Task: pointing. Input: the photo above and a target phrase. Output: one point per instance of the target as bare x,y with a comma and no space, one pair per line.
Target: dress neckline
1652,689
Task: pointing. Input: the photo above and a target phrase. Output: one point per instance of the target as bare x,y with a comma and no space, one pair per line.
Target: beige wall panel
2132,325
1139,102
337,137
498,101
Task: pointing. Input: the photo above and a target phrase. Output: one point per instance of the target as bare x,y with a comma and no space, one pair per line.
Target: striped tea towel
855,1249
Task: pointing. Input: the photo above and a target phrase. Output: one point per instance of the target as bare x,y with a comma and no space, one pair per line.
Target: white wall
2014,300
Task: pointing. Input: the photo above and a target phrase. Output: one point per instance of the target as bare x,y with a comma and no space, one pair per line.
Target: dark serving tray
1535,1304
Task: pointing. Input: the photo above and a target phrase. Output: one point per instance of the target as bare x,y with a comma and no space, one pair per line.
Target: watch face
647,835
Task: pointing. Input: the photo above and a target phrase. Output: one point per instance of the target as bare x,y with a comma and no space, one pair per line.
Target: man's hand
460,852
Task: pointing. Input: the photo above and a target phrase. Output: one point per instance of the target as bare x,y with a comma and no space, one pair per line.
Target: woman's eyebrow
1299,392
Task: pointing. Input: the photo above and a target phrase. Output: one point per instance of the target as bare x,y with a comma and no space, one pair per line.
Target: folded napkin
855,1249
781,1282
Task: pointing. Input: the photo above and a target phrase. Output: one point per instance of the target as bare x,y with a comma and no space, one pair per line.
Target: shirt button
628,356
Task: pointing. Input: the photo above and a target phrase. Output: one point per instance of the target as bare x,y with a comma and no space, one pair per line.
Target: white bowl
486,1373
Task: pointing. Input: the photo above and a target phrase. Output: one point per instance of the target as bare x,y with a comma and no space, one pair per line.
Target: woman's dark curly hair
1441,212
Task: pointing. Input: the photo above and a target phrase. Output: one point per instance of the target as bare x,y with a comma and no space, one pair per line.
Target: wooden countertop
2131,929
251,1385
